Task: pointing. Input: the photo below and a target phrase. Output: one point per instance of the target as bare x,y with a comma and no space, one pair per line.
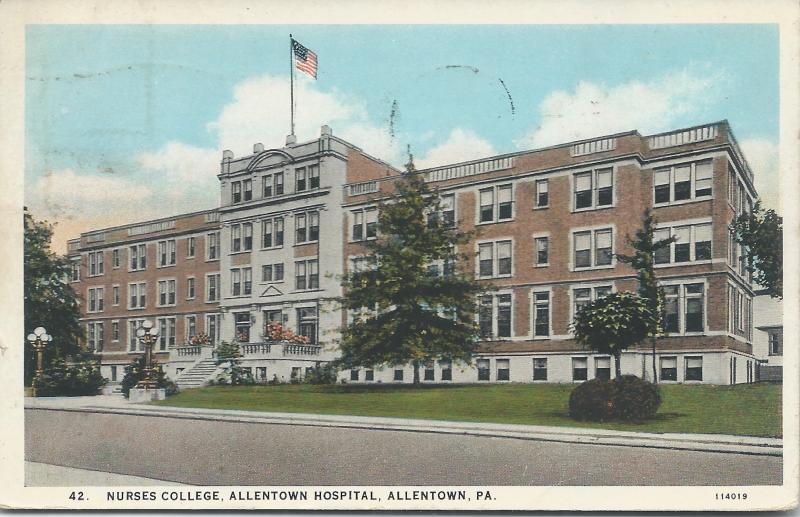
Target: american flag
305,60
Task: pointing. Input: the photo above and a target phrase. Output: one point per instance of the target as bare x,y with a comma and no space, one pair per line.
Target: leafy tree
63,380
761,234
411,301
50,301
134,372
613,323
229,355
643,260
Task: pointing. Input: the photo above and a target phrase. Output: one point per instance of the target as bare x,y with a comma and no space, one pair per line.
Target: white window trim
119,290
273,281
692,176
495,313
542,235
138,257
158,253
95,289
495,258
495,203
294,262
691,223
532,297
586,285
207,291
119,254
272,219
307,214
194,279
187,240
138,296
682,304
111,329
593,230
158,291
207,245
186,326
536,193
593,171
351,221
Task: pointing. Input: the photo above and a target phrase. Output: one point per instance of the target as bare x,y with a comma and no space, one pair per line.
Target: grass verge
745,409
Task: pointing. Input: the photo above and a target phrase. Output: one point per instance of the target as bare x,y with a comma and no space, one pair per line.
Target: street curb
691,442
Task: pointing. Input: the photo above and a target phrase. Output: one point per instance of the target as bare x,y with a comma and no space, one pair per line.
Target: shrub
63,380
635,399
134,372
592,400
629,399
325,374
229,357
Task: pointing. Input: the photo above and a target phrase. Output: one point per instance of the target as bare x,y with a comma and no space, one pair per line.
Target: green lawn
747,409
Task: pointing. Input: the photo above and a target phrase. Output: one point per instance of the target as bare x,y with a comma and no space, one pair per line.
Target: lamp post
147,334
39,340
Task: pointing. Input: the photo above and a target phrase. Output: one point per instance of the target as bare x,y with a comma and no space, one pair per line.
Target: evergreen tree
643,260
229,356
761,234
411,302
50,301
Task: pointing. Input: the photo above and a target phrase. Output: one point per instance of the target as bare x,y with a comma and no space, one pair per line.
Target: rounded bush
592,400
629,399
635,399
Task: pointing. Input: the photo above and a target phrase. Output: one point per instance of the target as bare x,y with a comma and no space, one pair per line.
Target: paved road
228,453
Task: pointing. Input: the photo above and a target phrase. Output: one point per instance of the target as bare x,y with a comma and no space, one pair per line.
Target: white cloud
177,161
461,145
594,110
762,155
259,112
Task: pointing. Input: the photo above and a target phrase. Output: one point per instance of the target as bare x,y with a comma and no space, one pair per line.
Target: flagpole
291,80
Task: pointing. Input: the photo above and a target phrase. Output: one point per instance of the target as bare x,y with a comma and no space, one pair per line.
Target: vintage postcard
388,256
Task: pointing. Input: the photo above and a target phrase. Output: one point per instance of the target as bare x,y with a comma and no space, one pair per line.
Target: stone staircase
198,375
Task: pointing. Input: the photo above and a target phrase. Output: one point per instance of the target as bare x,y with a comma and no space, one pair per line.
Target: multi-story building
550,223
768,336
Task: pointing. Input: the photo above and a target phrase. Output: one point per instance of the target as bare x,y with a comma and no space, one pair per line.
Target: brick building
549,222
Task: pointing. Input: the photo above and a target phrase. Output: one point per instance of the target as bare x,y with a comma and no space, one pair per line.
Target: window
496,204
236,192
166,253
540,368
484,374
166,292
95,299
494,259
273,184
300,177
247,188
542,194
306,274
212,287
307,227
94,336
579,369
261,373
212,327
694,368
448,208
601,241
542,250
775,340
365,224
369,375
272,272
446,367
398,375
494,316
272,233
190,247
113,373
75,270
684,308
669,368
541,314
190,288
503,369
683,182
212,246
115,296
137,295
241,321
307,323
138,256
96,263
582,296
241,237
692,243
115,260
166,333
191,327
602,368
313,176
593,189
242,281
274,316
133,342
429,373
354,375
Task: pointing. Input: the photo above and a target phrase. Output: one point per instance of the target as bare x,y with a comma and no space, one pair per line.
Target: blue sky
118,115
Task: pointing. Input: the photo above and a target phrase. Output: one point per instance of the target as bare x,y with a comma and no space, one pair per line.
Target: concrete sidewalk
44,474
112,404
